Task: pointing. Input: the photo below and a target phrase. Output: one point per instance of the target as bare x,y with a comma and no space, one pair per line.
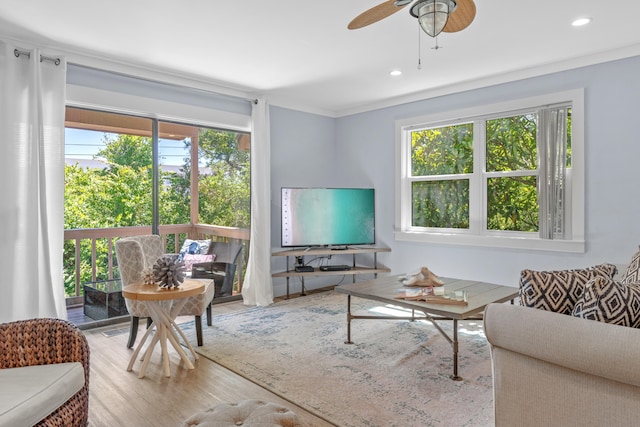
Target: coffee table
479,295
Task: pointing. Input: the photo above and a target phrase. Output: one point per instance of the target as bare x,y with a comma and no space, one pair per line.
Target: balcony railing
172,236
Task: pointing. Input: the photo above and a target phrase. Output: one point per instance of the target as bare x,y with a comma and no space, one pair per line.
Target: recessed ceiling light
395,73
580,22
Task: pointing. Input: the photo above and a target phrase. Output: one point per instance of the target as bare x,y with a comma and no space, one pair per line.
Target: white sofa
551,369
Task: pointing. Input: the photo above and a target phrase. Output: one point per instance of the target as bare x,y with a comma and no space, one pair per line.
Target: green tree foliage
511,143
443,159
224,193
440,151
442,203
120,194
127,150
512,201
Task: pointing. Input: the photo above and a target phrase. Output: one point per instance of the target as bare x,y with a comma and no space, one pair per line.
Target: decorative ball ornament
168,272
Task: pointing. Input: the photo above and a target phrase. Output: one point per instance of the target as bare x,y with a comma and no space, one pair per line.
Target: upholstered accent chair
138,254
42,344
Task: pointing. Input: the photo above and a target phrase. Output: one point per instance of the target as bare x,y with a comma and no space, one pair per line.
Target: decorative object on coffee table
168,272
424,277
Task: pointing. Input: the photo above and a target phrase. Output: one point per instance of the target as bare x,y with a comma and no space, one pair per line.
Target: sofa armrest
595,348
552,369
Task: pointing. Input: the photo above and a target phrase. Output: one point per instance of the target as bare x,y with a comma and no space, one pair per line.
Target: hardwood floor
119,398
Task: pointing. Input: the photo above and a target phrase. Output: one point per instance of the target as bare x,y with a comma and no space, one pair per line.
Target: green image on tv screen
327,216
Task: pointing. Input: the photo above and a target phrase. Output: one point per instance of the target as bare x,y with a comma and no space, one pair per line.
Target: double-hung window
503,175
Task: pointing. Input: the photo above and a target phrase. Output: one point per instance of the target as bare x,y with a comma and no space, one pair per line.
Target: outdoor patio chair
222,270
138,254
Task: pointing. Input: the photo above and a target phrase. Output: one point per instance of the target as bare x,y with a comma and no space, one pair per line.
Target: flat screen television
327,217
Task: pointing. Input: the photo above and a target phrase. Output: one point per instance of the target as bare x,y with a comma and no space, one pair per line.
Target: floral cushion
558,290
632,274
190,259
609,301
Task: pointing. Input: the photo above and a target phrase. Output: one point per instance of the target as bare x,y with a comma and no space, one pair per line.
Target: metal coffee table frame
479,295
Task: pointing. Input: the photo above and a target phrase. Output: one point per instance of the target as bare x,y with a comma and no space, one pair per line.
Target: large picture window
508,175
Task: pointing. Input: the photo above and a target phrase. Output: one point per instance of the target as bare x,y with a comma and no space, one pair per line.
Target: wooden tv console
353,271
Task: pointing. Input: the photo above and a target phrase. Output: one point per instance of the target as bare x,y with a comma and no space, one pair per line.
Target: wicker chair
46,341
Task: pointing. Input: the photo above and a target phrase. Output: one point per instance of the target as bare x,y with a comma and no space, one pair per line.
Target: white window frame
477,235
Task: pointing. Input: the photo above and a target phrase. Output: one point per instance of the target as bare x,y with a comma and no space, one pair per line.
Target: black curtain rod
17,53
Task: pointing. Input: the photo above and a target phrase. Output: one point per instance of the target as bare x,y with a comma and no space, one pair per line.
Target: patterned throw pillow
632,275
558,290
609,301
190,259
195,247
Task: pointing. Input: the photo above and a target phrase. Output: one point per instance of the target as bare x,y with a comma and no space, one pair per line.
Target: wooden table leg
139,347
147,356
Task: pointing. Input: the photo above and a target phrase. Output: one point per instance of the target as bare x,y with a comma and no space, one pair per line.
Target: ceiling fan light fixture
433,14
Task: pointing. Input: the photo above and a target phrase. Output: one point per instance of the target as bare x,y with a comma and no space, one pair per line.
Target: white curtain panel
32,101
257,288
553,152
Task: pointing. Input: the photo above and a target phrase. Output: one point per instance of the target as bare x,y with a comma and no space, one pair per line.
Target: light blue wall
302,155
359,150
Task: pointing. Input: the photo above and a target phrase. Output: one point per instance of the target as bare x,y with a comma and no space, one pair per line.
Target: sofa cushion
632,273
190,259
29,394
609,301
558,290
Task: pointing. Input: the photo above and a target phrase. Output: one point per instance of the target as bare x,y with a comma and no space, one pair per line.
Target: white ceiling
300,53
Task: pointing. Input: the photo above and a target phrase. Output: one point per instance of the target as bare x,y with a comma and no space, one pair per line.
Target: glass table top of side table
103,299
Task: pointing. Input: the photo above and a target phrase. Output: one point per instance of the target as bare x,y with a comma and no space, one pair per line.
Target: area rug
395,374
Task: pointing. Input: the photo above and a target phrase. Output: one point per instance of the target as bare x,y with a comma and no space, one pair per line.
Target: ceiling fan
434,16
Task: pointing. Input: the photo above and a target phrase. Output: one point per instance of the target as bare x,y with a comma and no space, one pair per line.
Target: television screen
327,216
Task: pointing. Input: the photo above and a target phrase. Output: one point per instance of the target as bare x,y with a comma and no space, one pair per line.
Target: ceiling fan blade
462,17
375,14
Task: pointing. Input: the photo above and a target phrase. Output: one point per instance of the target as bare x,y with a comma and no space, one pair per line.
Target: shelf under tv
351,250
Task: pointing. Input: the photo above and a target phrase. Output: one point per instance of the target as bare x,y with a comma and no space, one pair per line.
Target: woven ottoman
254,413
